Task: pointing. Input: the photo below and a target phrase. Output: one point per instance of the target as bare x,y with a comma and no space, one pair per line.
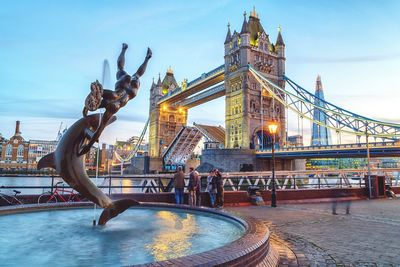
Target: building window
20,151
9,151
171,118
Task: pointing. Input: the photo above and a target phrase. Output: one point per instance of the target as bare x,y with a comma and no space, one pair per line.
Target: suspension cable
345,118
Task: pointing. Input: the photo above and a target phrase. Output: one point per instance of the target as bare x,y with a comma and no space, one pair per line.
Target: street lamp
272,127
368,161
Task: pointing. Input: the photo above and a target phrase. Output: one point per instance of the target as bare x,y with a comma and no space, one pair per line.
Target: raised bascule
257,92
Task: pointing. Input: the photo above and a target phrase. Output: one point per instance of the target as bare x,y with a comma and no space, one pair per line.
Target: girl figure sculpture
126,88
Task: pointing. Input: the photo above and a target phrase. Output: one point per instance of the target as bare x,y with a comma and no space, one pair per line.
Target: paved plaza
311,235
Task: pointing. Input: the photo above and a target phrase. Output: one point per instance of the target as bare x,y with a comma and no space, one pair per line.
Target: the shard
320,135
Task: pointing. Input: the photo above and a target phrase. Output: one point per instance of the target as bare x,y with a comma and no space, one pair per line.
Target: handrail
236,181
327,147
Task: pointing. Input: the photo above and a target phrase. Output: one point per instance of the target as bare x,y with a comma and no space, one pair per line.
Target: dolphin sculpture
68,159
71,167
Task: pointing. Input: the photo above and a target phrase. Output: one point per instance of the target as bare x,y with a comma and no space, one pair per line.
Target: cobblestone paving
369,236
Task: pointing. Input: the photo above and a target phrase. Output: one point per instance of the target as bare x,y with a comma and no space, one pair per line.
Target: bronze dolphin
71,167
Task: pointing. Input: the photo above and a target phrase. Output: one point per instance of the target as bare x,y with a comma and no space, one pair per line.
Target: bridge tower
165,120
248,108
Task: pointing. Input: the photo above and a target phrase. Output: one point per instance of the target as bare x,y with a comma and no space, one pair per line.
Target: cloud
355,59
388,120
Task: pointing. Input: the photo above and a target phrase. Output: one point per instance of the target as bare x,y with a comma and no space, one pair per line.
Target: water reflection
126,182
176,241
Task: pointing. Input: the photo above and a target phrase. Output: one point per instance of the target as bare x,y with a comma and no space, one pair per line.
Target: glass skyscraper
320,135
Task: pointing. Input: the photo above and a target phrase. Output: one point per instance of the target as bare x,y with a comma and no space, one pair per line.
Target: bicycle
11,199
59,194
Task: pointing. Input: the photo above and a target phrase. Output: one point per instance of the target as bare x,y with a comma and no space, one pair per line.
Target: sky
50,52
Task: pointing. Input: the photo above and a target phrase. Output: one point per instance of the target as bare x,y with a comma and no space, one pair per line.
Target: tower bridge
206,80
257,92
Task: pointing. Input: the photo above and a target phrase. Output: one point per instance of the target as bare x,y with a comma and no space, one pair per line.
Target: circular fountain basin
150,233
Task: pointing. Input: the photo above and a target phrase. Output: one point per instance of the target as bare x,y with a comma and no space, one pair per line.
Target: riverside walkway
309,235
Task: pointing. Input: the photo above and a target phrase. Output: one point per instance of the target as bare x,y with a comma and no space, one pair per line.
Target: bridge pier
235,160
281,164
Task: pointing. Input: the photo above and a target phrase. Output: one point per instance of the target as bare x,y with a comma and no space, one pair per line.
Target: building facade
14,152
248,108
38,149
2,141
295,141
165,120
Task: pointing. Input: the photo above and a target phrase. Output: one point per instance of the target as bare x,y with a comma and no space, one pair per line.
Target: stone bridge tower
165,120
248,108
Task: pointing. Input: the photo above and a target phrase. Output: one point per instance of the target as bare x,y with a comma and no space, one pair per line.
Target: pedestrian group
214,187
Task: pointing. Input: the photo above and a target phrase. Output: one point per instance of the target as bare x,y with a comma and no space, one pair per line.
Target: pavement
310,235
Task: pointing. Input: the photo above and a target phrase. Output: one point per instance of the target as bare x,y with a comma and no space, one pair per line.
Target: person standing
194,187
345,199
179,185
220,189
212,187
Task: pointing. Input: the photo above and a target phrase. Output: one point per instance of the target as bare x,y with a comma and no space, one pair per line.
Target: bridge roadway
377,149
203,97
206,80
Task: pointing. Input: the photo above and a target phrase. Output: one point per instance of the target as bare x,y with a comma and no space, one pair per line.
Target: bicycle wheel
74,198
47,198
16,201
4,200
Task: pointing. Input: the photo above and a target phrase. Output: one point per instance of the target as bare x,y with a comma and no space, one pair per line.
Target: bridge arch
262,139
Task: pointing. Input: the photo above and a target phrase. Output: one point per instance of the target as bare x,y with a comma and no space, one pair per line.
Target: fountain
156,234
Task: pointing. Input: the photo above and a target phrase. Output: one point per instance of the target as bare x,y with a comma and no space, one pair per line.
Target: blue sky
50,52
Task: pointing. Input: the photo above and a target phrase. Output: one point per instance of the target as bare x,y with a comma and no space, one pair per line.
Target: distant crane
61,132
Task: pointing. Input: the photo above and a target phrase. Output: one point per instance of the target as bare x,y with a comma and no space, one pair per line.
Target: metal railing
238,181
328,147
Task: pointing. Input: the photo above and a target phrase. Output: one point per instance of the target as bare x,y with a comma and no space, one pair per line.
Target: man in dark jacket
220,189
179,185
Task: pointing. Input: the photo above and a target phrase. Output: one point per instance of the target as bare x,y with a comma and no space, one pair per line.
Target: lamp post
368,161
262,121
264,93
272,127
